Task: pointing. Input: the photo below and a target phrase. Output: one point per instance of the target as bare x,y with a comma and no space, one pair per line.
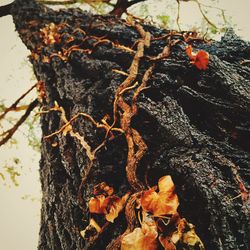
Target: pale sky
19,219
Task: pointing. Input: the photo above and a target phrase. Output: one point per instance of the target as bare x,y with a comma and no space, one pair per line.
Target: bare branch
204,15
5,10
57,2
135,2
178,15
122,5
9,133
14,105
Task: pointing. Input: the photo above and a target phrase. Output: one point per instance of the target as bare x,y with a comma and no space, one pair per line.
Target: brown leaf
116,206
92,224
144,238
165,202
199,59
99,204
186,235
111,206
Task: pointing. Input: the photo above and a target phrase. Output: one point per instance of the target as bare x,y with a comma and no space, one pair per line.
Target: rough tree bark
195,124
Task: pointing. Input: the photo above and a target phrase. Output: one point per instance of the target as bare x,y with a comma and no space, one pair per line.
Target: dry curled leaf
92,225
111,206
199,59
116,205
99,204
165,202
186,235
144,238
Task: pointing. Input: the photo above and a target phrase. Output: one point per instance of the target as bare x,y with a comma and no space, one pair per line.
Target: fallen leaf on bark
199,59
111,206
92,225
99,204
115,207
165,202
186,235
144,238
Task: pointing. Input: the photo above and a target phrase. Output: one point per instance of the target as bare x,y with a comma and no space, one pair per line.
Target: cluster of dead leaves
199,59
50,34
105,203
161,223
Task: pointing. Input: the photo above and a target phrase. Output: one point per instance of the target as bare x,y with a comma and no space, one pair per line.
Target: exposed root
244,193
68,129
131,220
132,136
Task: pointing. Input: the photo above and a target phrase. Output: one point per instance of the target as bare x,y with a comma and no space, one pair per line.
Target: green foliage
2,176
163,20
12,174
10,170
2,106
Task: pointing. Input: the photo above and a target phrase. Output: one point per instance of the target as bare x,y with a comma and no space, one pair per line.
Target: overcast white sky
19,219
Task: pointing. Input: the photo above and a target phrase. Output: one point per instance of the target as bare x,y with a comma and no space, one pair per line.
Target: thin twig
204,15
57,2
178,14
14,105
9,133
6,9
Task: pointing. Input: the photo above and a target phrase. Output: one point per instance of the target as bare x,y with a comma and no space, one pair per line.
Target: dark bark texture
195,124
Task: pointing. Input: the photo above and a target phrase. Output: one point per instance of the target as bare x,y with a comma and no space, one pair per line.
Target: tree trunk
194,122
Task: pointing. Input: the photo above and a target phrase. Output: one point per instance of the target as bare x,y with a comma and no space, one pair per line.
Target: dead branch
122,5
14,107
57,2
9,133
5,10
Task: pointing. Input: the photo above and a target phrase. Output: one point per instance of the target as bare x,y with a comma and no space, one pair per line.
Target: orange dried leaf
144,238
161,203
92,224
186,235
199,59
99,204
111,206
117,204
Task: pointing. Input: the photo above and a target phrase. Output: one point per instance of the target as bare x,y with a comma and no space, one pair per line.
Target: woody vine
156,212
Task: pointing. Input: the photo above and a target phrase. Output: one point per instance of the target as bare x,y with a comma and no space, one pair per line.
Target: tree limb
5,10
14,105
57,2
122,5
9,133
